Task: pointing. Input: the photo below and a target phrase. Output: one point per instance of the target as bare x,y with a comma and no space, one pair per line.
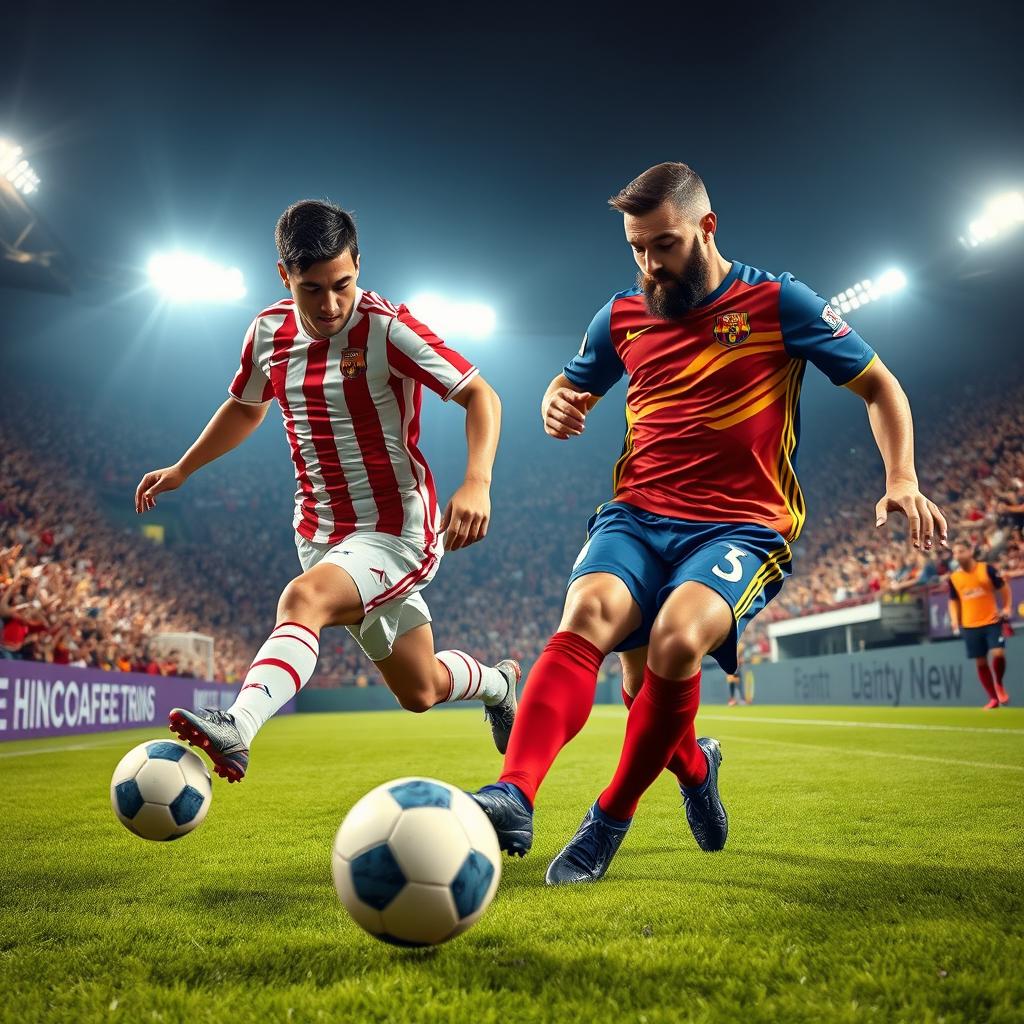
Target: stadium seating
78,586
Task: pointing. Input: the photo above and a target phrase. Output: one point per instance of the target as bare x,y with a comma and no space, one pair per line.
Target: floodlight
892,280
869,290
183,277
1002,214
454,319
16,169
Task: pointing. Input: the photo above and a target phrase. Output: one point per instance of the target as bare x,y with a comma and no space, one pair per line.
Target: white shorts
389,573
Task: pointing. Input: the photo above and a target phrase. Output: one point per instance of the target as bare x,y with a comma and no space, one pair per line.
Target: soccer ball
416,862
160,790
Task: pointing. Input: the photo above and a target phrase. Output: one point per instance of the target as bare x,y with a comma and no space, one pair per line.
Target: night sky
477,149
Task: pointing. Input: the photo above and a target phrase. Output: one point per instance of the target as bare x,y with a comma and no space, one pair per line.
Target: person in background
974,590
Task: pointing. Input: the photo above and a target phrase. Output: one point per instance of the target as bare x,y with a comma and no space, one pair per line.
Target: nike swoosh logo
630,335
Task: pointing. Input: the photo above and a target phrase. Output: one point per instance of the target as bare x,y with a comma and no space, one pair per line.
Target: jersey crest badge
837,325
353,363
732,328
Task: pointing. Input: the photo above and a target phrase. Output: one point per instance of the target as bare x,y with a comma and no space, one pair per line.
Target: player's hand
467,516
956,631
924,517
565,413
156,482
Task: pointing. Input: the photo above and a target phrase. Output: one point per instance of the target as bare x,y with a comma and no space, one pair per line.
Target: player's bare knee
590,610
416,701
300,595
676,650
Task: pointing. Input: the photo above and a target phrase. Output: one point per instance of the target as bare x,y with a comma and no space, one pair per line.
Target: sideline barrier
55,700
38,699
918,675
921,675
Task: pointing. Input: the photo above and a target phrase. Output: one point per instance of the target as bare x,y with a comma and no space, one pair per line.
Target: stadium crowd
79,586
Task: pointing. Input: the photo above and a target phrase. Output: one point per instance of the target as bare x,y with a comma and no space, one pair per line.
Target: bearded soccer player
696,539
974,611
348,368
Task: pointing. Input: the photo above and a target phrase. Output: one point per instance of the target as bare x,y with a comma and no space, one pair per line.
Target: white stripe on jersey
371,478
301,433
346,442
417,509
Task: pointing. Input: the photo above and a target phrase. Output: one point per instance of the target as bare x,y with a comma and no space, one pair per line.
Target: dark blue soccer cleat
587,855
510,815
217,736
704,811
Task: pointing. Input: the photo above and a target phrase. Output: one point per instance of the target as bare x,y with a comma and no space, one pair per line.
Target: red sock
688,763
985,675
658,719
556,703
998,669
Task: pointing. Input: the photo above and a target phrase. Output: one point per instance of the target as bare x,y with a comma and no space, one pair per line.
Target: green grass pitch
873,873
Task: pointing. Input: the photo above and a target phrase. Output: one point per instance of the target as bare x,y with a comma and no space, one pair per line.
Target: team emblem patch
732,328
836,324
353,363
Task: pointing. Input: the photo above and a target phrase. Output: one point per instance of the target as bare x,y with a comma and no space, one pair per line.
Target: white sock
282,667
471,680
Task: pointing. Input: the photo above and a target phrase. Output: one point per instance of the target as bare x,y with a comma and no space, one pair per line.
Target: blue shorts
982,639
744,563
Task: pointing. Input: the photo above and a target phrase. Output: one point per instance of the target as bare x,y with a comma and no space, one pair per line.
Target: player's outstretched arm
229,426
468,514
564,409
893,428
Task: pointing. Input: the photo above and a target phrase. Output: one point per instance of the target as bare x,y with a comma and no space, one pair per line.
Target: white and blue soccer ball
416,862
160,790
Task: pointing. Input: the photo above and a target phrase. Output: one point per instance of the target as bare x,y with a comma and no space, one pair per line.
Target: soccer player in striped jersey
696,539
348,368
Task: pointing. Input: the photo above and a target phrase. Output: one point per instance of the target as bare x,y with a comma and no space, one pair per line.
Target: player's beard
671,297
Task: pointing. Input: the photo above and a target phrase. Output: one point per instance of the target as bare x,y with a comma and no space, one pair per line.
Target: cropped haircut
676,183
313,230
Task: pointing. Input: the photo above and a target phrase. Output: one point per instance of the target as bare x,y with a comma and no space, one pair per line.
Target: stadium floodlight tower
869,290
184,277
473,321
16,169
1002,214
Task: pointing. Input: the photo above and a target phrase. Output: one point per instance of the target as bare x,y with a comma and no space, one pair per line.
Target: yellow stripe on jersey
789,487
747,398
751,410
874,359
769,571
627,450
698,368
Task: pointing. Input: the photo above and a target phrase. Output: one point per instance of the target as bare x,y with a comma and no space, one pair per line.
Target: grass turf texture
872,873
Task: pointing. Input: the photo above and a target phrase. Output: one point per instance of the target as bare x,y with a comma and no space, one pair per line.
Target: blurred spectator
77,588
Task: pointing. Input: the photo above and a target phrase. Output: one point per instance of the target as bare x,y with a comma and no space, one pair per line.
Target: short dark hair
313,230
677,183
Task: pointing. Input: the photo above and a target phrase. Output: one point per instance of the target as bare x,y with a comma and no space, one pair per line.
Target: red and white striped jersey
351,410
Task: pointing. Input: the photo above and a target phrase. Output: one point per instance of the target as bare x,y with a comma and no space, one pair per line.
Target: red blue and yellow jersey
712,408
